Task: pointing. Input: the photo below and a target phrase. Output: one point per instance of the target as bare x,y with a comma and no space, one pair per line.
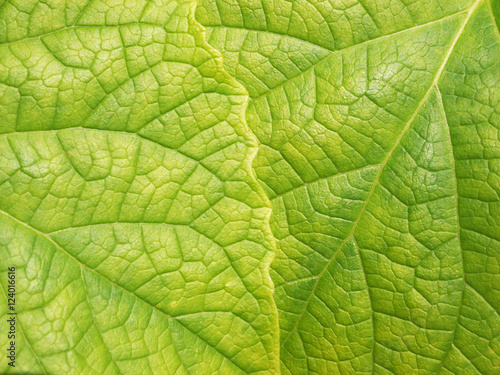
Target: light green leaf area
128,205
380,151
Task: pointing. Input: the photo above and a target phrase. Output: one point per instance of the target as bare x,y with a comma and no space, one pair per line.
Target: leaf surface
139,234
379,130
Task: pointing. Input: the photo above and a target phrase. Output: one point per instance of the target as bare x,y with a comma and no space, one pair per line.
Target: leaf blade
124,133
295,152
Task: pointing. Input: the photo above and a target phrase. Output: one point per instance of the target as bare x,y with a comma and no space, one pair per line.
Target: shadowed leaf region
378,124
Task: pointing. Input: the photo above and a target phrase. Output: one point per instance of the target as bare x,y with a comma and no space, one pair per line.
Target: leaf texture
129,208
379,130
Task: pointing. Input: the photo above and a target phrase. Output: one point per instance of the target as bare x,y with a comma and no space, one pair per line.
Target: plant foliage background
337,211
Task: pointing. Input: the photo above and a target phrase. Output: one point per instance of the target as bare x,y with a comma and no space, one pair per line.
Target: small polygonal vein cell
379,151
128,205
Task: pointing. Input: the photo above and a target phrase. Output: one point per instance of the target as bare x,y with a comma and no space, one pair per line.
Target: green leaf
128,206
380,151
